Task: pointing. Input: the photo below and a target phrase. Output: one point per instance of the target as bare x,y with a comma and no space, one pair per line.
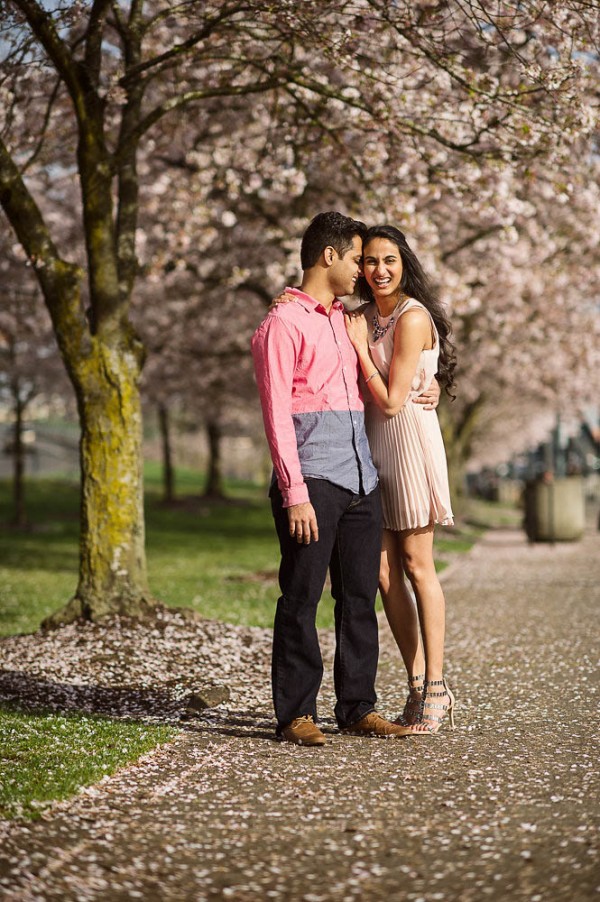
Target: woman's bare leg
417,553
400,610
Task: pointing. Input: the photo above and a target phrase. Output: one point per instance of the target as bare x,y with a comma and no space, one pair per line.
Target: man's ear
329,255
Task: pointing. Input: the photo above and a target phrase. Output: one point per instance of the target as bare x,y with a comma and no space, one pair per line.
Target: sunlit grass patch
492,514
38,567
47,757
449,542
200,553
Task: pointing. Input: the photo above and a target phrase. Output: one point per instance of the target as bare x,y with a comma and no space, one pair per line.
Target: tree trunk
19,518
214,479
167,454
112,572
456,473
457,429
102,354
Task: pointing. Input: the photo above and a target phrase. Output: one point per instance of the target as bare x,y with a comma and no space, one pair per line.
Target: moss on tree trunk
112,573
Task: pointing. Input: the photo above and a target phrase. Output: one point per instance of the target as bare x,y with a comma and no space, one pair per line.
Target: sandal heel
432,722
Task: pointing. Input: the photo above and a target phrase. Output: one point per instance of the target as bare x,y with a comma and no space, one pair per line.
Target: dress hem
447,521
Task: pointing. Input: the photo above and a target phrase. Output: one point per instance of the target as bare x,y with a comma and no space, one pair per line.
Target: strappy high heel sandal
413,706
430,723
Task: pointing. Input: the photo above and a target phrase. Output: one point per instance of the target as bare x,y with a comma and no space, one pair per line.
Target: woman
401,340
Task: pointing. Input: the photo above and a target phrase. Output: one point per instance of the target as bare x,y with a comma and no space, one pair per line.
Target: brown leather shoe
373,724
303,731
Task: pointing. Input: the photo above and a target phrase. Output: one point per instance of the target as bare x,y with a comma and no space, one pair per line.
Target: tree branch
126,167
160,62
25,216
175,103
44,30
47,115
59,280
93,39
472,239
508,98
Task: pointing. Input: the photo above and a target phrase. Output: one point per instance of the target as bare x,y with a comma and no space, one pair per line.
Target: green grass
218,558
482,515
197,553
48,757
38,568
221,558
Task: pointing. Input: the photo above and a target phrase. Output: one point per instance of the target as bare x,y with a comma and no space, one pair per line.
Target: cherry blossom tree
525,305
405,100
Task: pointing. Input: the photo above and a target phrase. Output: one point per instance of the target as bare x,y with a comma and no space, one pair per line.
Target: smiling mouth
381,283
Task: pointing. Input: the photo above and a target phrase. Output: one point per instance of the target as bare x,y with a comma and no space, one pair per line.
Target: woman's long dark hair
415,284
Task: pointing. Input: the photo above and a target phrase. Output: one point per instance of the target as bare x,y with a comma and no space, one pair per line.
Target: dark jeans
349,545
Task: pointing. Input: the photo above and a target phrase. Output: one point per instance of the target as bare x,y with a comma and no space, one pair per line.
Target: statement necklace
378,330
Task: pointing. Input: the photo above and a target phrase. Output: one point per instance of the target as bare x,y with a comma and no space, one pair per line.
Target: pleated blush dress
408,449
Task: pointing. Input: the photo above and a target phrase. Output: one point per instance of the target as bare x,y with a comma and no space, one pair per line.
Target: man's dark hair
329,229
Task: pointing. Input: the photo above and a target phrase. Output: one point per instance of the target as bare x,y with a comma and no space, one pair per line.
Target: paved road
504,808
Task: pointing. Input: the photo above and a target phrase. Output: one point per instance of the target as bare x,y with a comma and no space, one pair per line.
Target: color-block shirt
307,375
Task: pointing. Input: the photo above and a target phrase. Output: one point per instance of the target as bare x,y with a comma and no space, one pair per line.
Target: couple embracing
357,488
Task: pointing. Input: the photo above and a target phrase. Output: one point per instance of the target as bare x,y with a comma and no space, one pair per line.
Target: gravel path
504,808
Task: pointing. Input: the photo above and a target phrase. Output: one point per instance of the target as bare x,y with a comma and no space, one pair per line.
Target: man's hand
431,397
303,523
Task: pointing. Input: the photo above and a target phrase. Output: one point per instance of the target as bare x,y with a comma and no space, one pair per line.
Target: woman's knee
418,569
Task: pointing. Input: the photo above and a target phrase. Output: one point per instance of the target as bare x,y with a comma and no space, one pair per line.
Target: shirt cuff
297,494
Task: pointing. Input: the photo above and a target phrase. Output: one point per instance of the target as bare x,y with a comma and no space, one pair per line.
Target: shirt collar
309,303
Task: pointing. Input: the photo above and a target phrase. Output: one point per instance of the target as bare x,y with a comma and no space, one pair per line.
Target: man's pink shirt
307,374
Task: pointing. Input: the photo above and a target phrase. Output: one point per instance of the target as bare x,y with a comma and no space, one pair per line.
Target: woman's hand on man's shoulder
284,298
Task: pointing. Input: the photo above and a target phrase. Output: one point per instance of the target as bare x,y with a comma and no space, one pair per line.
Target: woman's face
382,267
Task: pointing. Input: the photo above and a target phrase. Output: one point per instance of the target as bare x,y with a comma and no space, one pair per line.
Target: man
325,500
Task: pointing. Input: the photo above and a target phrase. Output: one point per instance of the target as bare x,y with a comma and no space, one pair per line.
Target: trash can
554,509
